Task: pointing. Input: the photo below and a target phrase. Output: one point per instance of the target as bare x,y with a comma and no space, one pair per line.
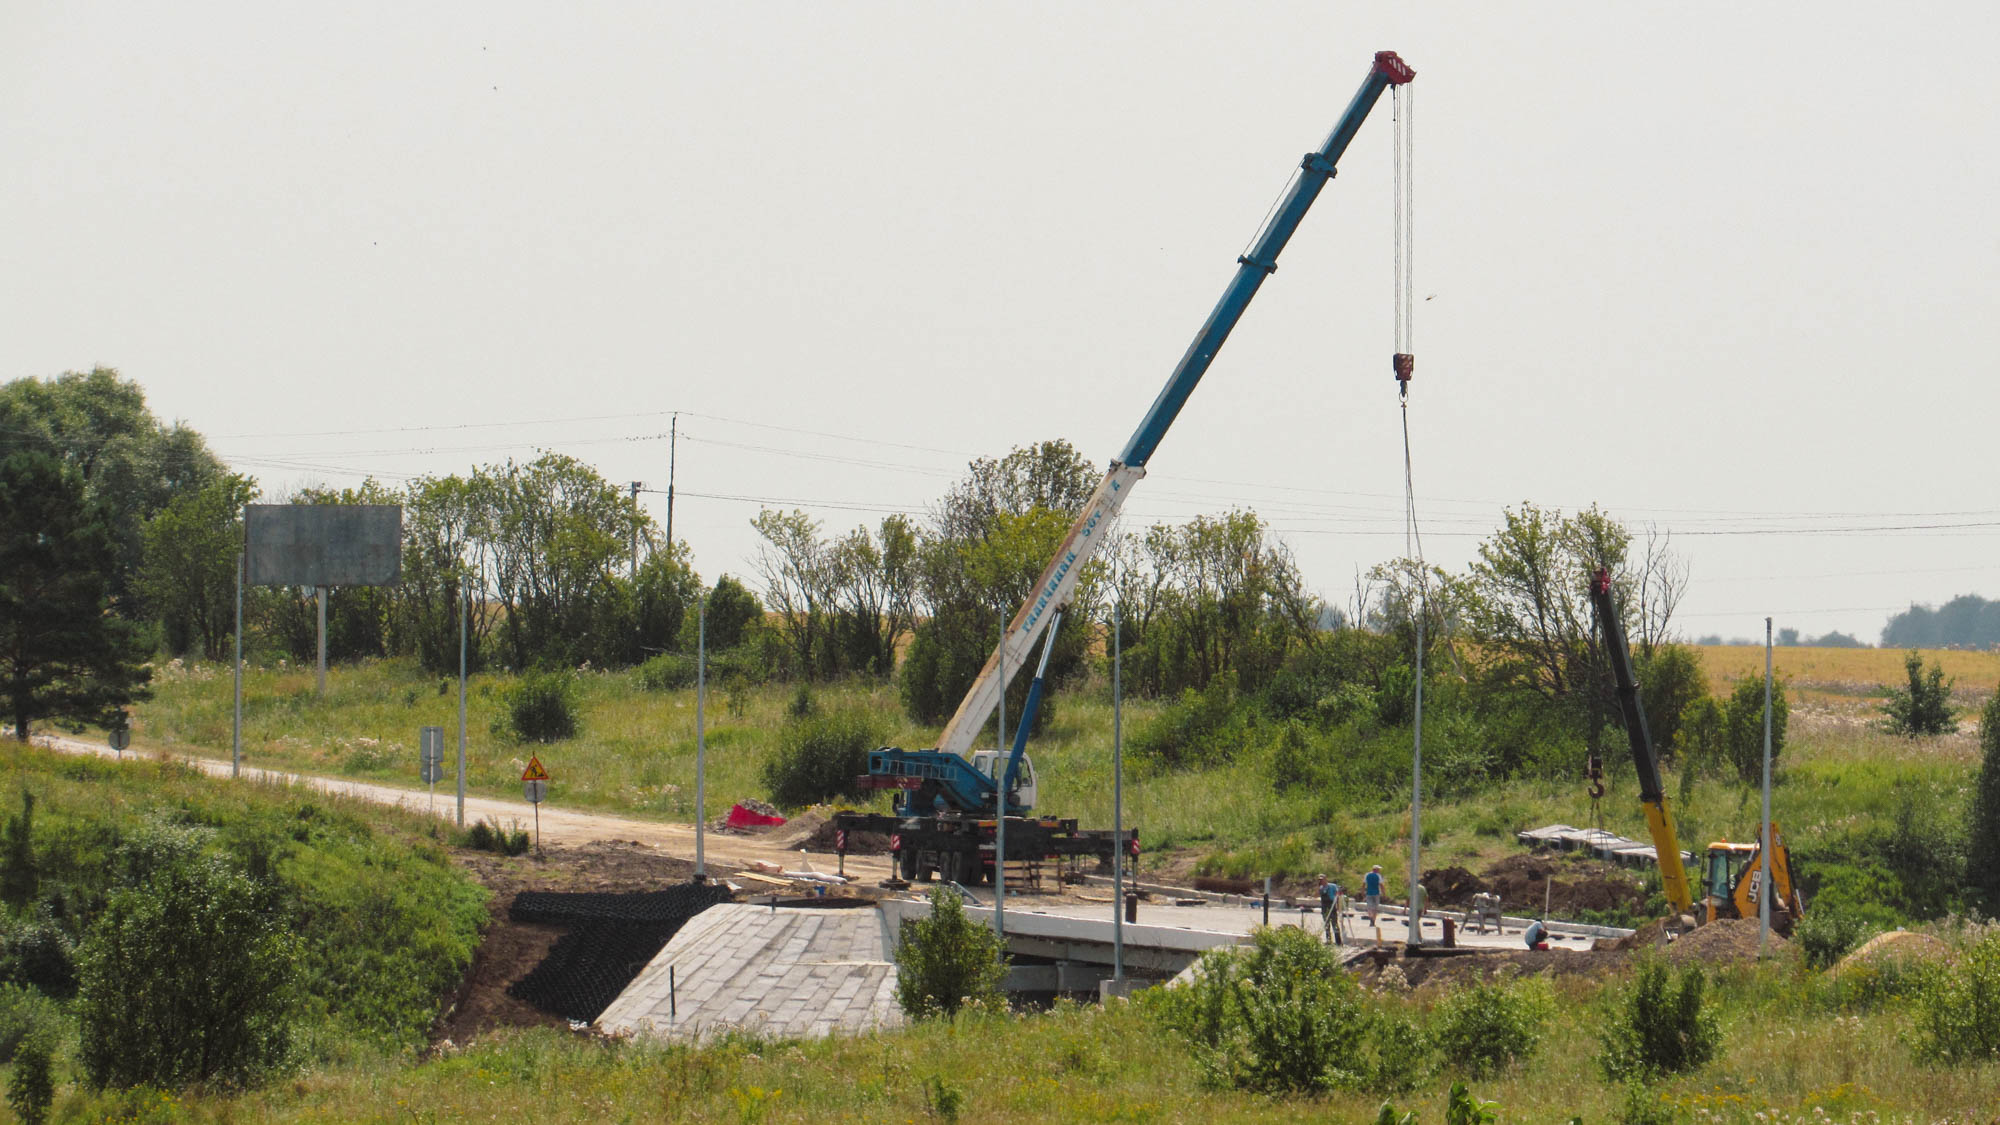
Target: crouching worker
1537,935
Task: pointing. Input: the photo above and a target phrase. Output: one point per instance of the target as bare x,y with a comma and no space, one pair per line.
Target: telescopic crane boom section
1052,590
1652,794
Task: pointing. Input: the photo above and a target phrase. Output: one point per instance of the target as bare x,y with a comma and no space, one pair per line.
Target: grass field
635,754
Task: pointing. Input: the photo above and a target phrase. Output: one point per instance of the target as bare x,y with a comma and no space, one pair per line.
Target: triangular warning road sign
534,772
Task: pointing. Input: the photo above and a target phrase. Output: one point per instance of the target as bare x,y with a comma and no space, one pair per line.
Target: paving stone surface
784,972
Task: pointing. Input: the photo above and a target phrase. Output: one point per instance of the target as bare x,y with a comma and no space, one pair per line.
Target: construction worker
1534,936
1329,909
1372,888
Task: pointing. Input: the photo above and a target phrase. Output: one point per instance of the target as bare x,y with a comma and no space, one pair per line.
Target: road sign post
430,759
120,738
535,786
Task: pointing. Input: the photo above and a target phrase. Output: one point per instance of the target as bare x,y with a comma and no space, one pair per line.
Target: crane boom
1652,792
1058,580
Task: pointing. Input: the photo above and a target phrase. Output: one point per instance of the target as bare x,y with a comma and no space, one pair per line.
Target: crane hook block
1390,65
1406,366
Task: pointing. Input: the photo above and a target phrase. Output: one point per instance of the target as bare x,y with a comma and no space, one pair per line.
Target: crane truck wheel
906,864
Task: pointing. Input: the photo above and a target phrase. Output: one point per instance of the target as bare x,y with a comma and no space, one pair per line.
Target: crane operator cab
993,764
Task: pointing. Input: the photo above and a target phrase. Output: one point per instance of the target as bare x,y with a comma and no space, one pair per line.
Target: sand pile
1897,945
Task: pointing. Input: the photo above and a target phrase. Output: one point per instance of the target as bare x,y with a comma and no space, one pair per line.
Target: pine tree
63,655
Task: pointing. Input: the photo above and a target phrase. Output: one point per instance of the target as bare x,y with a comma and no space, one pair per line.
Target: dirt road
563,826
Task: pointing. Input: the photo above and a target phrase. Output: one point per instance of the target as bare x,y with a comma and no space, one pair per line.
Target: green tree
1983,854
1221,596
186,977
446,530
1743,727
800,587
560,534
1924,707
946,962
63,656
732,611
31,1087
189,575
131,464
20,879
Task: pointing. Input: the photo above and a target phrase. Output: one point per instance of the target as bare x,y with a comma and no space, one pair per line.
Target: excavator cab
1732,880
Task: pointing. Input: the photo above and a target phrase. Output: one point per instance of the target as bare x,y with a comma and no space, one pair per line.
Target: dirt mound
801,830
1725,939
858,843
1572,884
1484,965
1897,945
1452,886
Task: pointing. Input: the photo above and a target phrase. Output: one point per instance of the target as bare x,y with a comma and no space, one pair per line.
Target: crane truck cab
993,764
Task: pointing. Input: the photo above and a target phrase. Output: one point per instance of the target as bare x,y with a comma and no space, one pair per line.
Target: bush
947,962
669,671
1663,1026
1487,1026
1825,935
819,756
487,836
1958,1008
1925,706
1743,728
1670,679
31,1089
1983,831
1201,728
542,707
23,1012
38,953
188,977
1277,1016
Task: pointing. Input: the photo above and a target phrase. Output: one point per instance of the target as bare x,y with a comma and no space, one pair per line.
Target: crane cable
1402,106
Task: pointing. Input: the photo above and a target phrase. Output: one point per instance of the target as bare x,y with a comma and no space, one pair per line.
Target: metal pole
635,530
1765,879
236,722
1117,798
464,611
1000,802
700,743
1416,935
673,443
320,596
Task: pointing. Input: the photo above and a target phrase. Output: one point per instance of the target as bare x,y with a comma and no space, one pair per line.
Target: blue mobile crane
943,820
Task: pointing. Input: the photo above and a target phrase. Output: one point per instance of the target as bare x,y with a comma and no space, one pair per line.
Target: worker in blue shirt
1329,909
1372,887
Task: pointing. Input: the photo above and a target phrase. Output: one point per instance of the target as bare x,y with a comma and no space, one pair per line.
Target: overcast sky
1725,269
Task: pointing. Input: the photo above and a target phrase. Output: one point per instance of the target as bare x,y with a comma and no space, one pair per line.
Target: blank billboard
324,544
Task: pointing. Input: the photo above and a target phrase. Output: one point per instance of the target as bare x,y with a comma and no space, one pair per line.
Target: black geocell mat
614,936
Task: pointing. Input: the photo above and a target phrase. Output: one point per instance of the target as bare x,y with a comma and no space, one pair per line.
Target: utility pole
1769,873
673,442
635,529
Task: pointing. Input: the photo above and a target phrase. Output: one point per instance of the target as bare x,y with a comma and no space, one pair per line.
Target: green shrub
39,953
1958,1007
1661,1025
1924,707
1201,728
187,977
487,836
23,1012
1276,1016
31,1088
542,707
820,756
19,876
1487,1026
1824,936
947,962
1743,728
669,671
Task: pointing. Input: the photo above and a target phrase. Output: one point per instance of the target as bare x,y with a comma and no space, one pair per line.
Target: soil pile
1572,884
858,843
1397,972
1725,939
1452,886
